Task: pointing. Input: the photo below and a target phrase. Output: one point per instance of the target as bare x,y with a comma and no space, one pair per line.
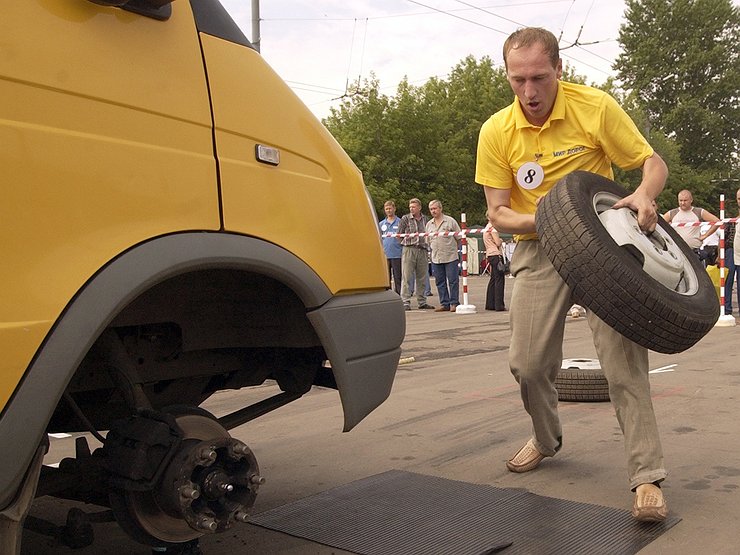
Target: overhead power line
484,10
313,88
468,6
415,14
458,17
576,43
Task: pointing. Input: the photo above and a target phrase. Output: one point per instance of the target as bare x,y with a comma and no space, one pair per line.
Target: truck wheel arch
103,297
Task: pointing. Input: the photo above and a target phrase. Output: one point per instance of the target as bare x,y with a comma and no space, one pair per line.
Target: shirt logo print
568,152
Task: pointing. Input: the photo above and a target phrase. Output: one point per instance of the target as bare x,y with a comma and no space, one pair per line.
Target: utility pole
256,24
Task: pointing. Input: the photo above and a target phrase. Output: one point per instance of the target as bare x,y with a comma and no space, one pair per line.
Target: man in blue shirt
391,246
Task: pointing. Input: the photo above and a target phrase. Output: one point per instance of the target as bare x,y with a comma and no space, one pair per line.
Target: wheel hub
210,482
660,257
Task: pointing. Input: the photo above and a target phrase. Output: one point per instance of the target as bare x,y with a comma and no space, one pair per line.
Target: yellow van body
175,222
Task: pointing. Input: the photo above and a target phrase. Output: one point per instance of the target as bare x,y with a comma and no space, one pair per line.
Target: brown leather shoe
442,309
526,459
453,308
649,504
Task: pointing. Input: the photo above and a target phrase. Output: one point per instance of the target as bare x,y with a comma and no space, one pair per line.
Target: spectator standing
550,130
497,267
509,248
710,245
686,213
731,255
414,256
391,246
709,252
445,263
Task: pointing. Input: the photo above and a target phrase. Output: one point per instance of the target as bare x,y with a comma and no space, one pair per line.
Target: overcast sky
318,46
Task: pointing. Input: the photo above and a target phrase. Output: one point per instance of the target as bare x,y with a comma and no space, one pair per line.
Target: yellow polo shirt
587,130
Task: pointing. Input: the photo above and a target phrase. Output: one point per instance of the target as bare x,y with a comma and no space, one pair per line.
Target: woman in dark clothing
495,257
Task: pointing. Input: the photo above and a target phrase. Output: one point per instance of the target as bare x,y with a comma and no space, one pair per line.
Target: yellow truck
175,222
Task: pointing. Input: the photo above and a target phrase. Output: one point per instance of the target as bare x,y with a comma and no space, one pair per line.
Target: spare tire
650,288
581,380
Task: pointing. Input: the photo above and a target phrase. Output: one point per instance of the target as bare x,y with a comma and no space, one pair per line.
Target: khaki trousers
414,261
539,304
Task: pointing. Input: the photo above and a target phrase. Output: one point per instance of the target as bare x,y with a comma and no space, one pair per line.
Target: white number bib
530,175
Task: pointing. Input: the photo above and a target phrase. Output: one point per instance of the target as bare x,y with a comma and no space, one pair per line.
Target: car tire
583,381
650,288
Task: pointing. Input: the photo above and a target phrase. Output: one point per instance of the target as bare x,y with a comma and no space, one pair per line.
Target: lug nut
208,524
256,479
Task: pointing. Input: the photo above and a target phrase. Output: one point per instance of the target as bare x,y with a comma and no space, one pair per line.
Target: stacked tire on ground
582,380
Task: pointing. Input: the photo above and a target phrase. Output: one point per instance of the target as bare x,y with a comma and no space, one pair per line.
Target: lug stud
189,493
206,456
241,516
207,523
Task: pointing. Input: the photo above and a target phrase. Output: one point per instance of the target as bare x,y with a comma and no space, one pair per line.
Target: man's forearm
506,220
654,175
503,217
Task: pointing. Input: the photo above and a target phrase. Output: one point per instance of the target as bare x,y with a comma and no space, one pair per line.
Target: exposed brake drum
209,482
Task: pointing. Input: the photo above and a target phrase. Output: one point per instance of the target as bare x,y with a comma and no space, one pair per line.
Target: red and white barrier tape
461,234
480,230
722,221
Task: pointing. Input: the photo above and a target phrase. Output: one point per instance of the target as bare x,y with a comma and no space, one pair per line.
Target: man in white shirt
444,256
688,214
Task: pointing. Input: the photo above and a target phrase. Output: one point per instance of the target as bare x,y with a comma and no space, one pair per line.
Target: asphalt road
455,413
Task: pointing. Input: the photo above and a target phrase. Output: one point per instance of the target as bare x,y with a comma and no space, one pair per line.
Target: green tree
421,142
681,60
474,90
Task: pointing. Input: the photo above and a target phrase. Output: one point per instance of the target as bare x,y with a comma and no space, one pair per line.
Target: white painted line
662,369
60,436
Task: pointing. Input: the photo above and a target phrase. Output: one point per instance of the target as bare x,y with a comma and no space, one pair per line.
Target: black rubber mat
402,513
